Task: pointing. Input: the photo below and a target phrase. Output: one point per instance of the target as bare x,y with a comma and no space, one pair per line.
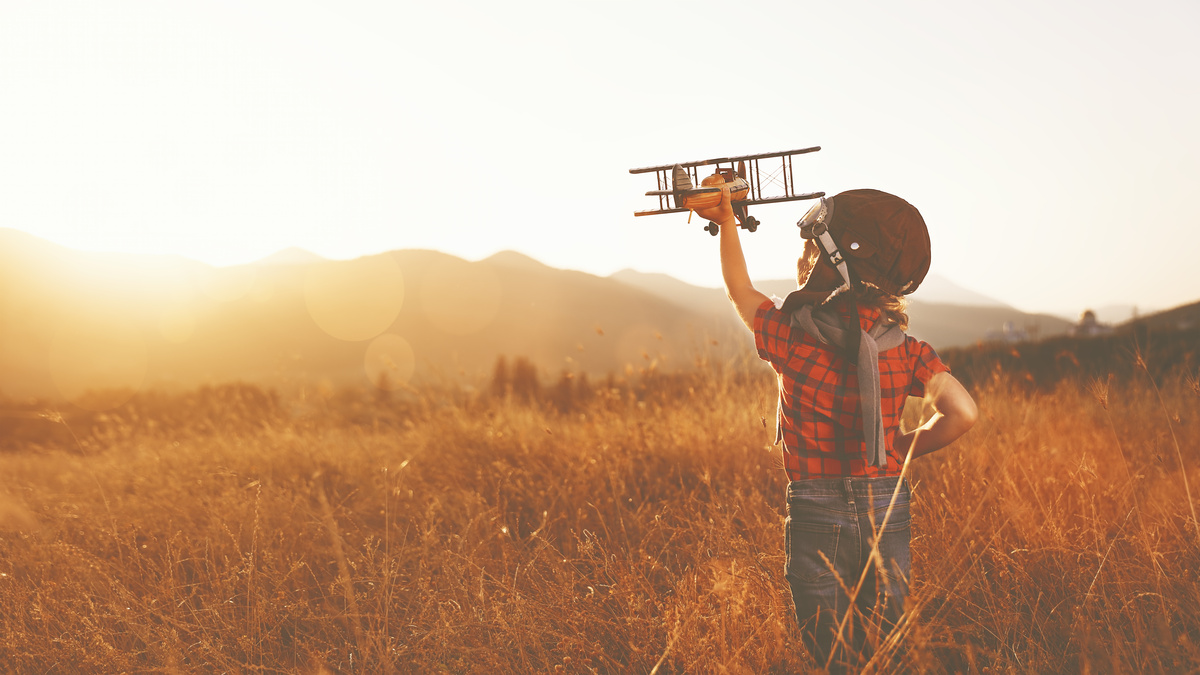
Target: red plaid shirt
818,388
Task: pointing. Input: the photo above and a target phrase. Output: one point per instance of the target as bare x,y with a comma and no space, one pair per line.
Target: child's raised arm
742,293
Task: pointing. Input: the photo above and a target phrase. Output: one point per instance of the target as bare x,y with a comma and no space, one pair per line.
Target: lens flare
357,299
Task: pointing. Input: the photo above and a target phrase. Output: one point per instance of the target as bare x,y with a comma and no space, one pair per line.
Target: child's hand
722,213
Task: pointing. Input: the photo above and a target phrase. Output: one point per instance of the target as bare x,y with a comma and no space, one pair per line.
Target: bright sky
1053,148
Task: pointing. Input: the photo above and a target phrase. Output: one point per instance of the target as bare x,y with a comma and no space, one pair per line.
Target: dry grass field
629,528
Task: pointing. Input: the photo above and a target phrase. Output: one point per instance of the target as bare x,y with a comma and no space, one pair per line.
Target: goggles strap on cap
815,225
835,257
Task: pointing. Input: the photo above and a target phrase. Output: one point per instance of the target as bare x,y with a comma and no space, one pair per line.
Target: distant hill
1164,342
516,260
1185,317
707,301
940,290
941,324
71,321
290,256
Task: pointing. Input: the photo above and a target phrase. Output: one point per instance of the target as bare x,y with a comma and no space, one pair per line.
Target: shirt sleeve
926,364
771,333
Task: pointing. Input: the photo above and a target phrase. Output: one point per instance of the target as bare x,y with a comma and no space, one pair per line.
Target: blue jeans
836,520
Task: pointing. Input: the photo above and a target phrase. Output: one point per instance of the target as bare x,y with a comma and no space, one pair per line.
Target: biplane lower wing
655,212
776,200
744,203
694,191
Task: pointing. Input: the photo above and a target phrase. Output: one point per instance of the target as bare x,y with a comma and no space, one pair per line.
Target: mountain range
72,322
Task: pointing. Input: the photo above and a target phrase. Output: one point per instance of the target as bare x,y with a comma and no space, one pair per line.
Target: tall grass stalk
1175,441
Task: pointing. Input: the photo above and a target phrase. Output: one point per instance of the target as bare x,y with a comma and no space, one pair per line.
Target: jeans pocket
806,542
898,522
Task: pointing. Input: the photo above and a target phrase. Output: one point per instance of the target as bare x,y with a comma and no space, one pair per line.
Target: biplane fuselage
738,189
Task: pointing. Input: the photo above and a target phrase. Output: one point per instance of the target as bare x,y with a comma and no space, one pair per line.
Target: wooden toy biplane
677,192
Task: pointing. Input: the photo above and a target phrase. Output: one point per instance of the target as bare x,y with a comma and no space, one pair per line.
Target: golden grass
641,532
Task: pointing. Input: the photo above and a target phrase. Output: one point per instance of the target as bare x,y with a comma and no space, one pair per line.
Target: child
845,369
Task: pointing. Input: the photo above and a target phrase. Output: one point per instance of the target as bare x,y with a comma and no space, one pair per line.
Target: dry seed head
1100,391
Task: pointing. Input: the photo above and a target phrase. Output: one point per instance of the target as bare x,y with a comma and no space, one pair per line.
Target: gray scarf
824,324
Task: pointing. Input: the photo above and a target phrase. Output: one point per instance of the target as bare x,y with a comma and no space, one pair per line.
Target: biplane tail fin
680,180
681,186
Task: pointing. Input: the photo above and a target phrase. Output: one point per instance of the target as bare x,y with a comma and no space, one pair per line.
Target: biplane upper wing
727,160
777,175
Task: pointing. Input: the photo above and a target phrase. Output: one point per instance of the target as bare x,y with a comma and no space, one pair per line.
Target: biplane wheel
712,228
751,224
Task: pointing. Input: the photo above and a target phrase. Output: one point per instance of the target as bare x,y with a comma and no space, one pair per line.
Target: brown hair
893,309
806,262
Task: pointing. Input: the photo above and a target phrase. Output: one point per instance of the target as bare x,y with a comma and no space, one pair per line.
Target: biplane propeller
677,191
